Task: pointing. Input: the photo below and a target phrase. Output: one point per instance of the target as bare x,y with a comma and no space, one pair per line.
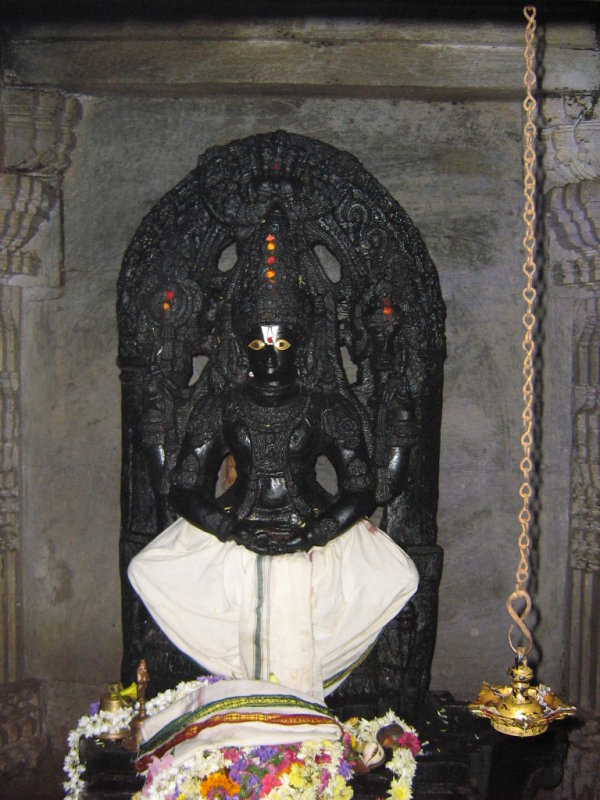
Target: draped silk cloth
233,713
303,620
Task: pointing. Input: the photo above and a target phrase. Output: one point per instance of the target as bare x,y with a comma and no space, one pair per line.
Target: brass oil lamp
520,709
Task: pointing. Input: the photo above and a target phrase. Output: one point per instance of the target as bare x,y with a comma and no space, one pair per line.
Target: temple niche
101,119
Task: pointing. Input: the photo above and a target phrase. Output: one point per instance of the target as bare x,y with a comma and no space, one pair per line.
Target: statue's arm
345,448
154,421
192,490
395,436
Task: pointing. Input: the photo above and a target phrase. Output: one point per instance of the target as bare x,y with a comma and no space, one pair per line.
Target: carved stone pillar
36,132
584,655
10,308
573,214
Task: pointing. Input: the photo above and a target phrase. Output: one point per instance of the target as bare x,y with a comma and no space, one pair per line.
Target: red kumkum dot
169,294
276,167
271,260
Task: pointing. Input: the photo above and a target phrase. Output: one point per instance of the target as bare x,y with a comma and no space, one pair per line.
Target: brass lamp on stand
520,709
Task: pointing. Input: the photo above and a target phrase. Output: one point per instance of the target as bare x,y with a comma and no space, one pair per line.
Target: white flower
402,764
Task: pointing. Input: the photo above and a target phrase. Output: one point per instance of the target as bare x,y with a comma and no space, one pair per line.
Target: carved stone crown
271,288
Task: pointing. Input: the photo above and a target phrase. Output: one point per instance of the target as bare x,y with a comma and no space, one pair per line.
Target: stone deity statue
303,583
316,349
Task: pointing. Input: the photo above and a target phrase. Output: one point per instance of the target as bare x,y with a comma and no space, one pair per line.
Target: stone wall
100,121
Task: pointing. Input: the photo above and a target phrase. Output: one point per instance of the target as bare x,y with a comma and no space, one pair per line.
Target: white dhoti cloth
303,619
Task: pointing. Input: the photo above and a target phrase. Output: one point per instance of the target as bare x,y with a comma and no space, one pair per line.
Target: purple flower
238,770
207,679
266,752
344,769
94,708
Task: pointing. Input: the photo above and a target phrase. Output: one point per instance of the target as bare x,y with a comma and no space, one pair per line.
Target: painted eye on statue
256,344
282,344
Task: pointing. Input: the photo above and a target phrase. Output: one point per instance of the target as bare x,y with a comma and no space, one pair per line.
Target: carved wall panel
574,217
584,657
572,147
10,309
22,731
38,131
25,203
571,139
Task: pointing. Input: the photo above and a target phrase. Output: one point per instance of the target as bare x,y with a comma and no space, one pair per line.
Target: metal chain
520,595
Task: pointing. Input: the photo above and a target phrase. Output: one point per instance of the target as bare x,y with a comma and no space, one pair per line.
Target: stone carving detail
22,735
37,131
573,222
25,203
574,231
571,139
37,136
10,303
176,295
583,655
585,479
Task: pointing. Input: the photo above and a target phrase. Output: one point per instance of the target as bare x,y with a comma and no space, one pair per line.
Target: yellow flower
341,790
296,778
181,796
399,790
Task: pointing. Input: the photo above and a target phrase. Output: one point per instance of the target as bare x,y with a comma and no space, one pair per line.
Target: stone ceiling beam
425,61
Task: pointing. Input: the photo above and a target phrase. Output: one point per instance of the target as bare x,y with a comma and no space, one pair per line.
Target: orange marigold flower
219,780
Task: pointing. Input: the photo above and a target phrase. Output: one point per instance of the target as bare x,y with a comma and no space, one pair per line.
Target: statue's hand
323,531
271,542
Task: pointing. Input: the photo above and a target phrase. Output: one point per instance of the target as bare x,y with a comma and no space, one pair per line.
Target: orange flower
219,780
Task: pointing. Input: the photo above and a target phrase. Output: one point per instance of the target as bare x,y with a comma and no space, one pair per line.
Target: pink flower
269,782
410,740
157,765
325,777
289,758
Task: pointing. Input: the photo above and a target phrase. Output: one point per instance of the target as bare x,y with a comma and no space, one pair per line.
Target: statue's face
272,351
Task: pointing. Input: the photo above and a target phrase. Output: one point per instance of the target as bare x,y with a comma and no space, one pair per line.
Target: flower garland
308,770
97,722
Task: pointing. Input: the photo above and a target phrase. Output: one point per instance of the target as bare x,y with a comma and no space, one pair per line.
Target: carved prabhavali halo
317,237
175,301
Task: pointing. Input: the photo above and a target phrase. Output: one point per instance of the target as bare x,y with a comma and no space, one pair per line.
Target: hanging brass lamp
521,709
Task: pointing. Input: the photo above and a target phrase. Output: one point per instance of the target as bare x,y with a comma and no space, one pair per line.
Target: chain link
520,594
